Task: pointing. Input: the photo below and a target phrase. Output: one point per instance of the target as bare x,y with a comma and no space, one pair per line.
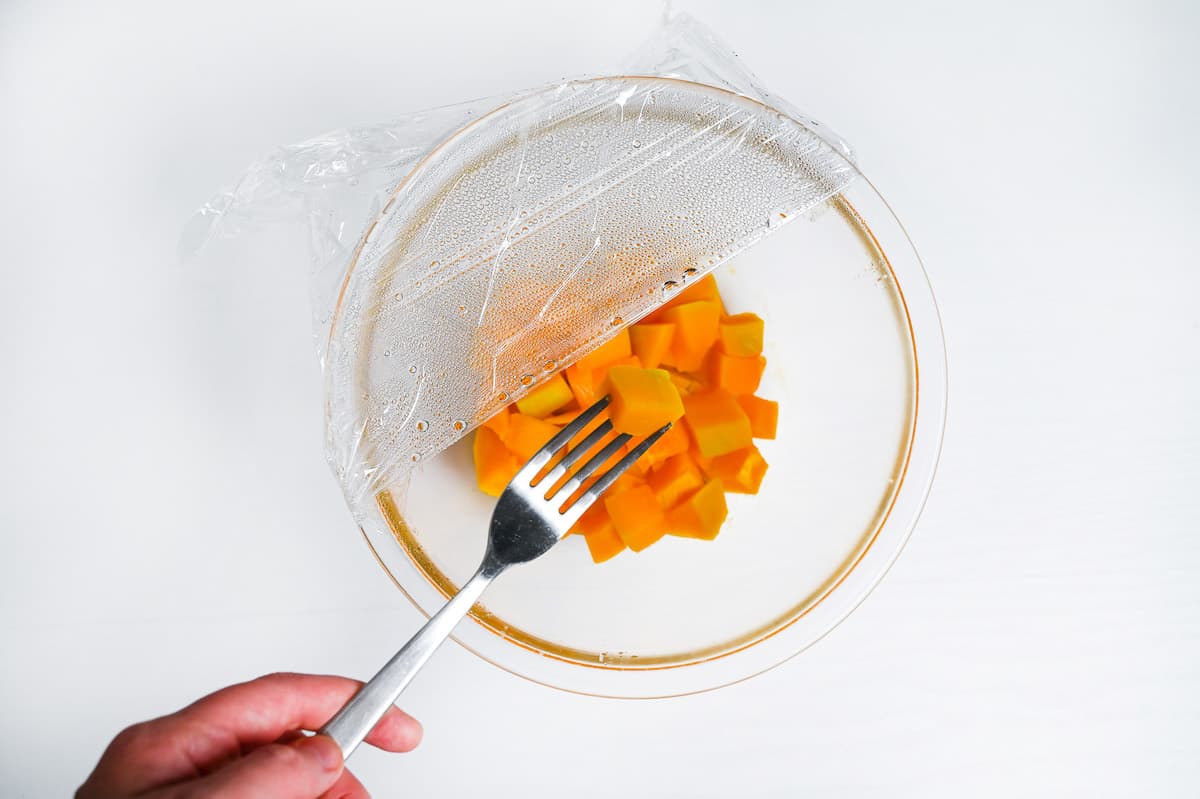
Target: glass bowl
856,359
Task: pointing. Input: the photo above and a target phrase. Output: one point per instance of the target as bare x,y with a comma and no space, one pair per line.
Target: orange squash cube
696,328
703,290
582,383
741,472
546,398
642,400
637,516
675,480
672,442
499,422
614,349
763,414
651,342
593,519
605,543
742,334
700,515
685,384
495,466
526,435
736,374
717,423
562,419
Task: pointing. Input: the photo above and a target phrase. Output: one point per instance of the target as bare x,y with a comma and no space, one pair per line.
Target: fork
532,515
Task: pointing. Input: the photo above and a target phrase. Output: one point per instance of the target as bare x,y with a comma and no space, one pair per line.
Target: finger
222,725
303,769
256,713
263,709
347,787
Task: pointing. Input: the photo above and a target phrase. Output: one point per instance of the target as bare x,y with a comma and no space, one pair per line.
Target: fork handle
359,716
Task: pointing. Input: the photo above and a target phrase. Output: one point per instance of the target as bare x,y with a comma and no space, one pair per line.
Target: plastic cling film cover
462,254
535,234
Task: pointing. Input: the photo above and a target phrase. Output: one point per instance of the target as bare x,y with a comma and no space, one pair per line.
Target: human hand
244,742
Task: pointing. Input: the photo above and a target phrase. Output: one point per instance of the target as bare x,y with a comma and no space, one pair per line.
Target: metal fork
527,522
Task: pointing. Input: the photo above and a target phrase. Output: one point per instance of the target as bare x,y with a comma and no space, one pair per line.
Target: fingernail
322,749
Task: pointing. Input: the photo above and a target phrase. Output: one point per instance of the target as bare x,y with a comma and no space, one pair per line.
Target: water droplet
387,353
502,396
526,380
549,366
412,370
416,456
459,425
422,425
691,271
637,143
617,321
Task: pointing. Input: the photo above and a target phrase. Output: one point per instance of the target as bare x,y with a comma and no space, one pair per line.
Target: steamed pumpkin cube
763,415
675,480
672,442
562,419
696,326
637,516
642,400
684,383
495,466
651,342
583,384
736,374
700,515
605,543
742,334
527,434
741,472
593,519
614,349
546,398
585,375
597,529
703,290
717,423
499,422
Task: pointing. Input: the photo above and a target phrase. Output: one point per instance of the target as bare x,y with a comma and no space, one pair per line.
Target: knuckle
275,676
132,738
281,756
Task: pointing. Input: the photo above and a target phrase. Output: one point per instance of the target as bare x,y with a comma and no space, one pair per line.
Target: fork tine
560,440
605,480
568,488
575,453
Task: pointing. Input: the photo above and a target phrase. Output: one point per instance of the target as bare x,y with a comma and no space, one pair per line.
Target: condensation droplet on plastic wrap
530,237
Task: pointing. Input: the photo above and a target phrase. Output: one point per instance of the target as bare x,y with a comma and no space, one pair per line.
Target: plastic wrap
462,254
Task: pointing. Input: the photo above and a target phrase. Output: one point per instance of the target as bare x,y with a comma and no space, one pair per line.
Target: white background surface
169,525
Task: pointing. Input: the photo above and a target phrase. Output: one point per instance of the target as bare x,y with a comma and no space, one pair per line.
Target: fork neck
491,568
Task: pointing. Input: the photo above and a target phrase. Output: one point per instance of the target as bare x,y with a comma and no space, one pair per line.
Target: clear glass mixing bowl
857,362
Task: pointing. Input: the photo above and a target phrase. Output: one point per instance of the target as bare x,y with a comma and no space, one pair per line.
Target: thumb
302,769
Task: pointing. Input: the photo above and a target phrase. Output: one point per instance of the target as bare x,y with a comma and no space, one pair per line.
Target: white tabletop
170,526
